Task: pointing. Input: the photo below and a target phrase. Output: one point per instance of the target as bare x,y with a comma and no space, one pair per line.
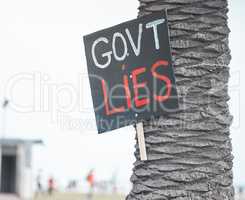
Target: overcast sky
43,72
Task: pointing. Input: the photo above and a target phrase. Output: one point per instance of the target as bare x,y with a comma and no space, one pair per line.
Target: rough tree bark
190,151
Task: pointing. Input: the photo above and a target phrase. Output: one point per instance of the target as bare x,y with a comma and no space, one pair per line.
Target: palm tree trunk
189,151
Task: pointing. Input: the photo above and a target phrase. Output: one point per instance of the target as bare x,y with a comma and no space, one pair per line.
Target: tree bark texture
189,151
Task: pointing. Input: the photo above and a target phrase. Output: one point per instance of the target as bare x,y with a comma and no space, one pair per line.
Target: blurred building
16,168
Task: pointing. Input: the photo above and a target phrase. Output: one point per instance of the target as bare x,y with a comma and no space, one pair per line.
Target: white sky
43,39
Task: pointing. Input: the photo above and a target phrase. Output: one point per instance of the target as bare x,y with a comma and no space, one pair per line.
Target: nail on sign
130,72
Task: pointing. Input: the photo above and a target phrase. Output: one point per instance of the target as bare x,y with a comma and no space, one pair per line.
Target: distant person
39,187
50,186
72,184
91,181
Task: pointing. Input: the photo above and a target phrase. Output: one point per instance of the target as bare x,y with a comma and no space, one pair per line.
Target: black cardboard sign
130,72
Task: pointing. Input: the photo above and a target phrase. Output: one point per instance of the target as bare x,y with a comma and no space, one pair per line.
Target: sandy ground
8,197
79,197
240,197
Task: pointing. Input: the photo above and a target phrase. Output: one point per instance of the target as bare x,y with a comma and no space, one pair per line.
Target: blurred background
46,111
